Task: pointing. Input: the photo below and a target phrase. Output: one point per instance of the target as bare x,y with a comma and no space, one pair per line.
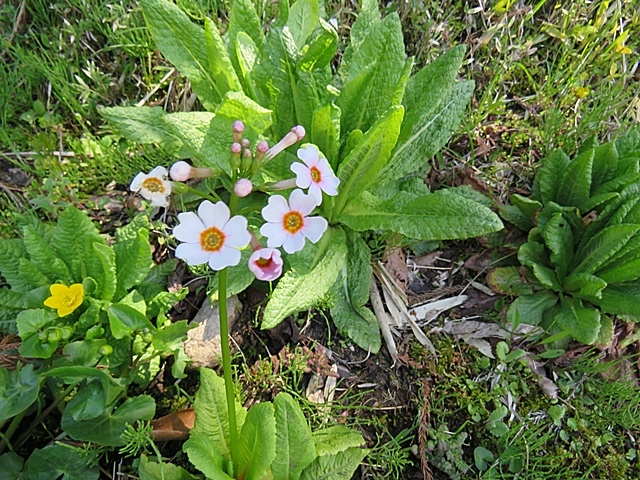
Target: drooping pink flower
288,223
153,186
210,236
315,174
266,264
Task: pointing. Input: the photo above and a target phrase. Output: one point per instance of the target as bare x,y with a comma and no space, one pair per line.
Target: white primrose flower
315,174
210,236
288,223
266,264
154,186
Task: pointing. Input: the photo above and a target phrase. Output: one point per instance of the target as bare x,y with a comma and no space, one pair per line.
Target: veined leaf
403,80
603,246
142,125
19,388
44,257
294,445
296,291
220,65
334,467
149,470
559,239
107,280
597,201
629,144
358,170
11,304
10,251
124,320
58,460
244,20
530,308
204,455
546,184
359,269
527,206
256,443
332,440
439,216
582,323
325,131
364,26
617,184
619,300
546,277
623,264
575,186
356,321
133,261
585,285
627,212
605,164
322,49
303,17
246,54
184,45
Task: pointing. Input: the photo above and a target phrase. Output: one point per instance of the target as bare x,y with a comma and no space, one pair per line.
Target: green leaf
559,239
243,19
44,257
303,17
439,216
619,300
508,281
112,388
10,466
107,427
332,440
359,269
10,251
583,284
106,279
322,48
547,181
359,169
605,164
220,65
59,460
31,274
530,308
143,125
338,466
239,277
374,73
603,246
575,186
325,131
19,388
256,443
310,88
204,455
88,403
184,45
190,128
246,56
582,323
11,304
528,207
124,320
362,29
162,471
300,291
546,277
171,337
30,323
133,261
211,412
294,445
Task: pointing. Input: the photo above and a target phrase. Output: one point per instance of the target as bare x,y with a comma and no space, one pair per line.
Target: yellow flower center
264,262
293,222
316,176
67,300
153,184
212,239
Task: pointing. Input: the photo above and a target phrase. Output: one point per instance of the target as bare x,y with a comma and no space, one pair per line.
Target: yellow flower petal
53,302
65,299
58,289
77,289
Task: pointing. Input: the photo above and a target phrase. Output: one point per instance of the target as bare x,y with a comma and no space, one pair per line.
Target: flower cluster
214,237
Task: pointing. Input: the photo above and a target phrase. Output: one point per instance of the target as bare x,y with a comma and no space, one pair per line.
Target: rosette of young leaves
583,254
274,441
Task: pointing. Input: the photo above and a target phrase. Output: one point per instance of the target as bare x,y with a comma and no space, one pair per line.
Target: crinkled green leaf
338,466
243,18
204,455
325,131
582,323
584,284
10,251
11,304
603,246
322,48
246,56
619,300
364,26
530,308
303,17
105,264
336,439
575,186
559,240
19,388
31,274
220,65
256,443
356,321
133,261
605,164
44,257
549,177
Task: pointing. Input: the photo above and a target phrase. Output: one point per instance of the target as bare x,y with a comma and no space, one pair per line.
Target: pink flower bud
236,148
299,131
266,264
238,128
245,143
180,171
243,187
296,134
263,146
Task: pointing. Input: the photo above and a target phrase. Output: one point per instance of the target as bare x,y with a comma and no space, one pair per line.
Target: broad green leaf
325,131
582,323
605,164
309,91
19,388
303,17
256,443
617,184
508,281
527,206
246,57
322,49
124,320
530,308
359,269
30,323
11,304
547,181
624,272
546,277
357,322
88,403
364,26
403,80
212,417
220,65
184,45
358,170
439,216
294,445
58,460
31,274
571,214
10,251
171,337
583,284
338,466
243,18
575,186
106,280
107,427
11,466
597,201
629,144
83,353
204,455
149,470
190,128
559,239
44,257
603,246
296,291
112,388
332,440
381,59
133,261
625,213
619,300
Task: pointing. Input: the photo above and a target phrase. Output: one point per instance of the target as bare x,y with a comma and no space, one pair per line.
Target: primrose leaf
548,180
530,308
332,440
619,300
19,388
583,323
58,460
605,164
106,428
603,246
299,291
149,470
204,455
439,216
244,19
184,45
256,443
143,125
575,186
220,64
322,49
11,304
559,239
133,261
105,261
294,445
325,131
583,284
303,17
11,250
44,257
246,56
362,29
629,144
336,466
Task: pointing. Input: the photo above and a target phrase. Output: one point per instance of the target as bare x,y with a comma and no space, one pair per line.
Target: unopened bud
245,143
296,134
246,160
261,149
236,149
238,129
181,172
243,187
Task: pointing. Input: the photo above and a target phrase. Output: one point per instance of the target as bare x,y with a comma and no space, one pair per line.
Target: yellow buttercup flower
65,299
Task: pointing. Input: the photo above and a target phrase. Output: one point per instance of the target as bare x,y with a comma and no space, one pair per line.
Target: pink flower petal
192,253
225,257
272,270
302,203
294,243
309,155
316,192
213,214
276,209
303,175
314,228
189,228
275,233
236,232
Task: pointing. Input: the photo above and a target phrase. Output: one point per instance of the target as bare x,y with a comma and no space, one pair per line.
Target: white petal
316,192
302,203
276,235
159,172
309,155
225,257
166,184
276,209
158,199
236,232
294,243
314,228
213,214
189,228
192,253
303,174
324,167
136,184
330,185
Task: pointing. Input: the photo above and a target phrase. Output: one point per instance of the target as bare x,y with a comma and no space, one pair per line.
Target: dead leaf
175,426
396,265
